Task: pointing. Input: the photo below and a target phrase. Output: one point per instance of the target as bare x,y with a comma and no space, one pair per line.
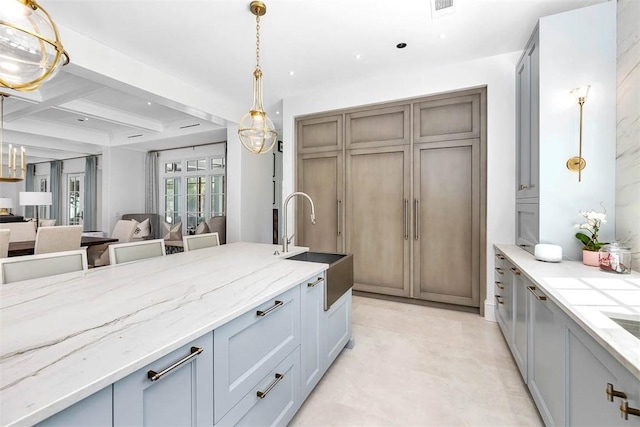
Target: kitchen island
67,337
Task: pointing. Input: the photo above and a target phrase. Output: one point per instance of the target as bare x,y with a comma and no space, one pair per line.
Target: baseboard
419,302
489,308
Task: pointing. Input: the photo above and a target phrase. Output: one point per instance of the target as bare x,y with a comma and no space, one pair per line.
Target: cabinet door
547,357
312,333
591,368
378,127
527,225
504,299
377,227
183,396
520,320
95,411
320,176
527,122
337,328
318,134
446,220
446,118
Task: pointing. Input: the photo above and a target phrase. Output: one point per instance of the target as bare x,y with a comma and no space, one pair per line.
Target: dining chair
134,251
57,239
123,231
16,269
5,235
200,241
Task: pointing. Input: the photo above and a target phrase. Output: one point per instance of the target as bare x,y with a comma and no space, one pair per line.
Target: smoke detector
441,8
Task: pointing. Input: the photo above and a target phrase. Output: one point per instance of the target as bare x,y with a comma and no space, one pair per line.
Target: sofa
154,221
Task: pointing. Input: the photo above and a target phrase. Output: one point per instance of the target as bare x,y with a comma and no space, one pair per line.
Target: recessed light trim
401,45
358,56
291,73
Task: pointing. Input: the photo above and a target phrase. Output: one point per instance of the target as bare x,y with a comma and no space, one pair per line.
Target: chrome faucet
285,239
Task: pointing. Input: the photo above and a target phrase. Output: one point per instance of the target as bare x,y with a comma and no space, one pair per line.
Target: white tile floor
420,366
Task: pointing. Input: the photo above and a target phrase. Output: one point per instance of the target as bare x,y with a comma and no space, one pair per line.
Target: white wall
496,72
122,185
577,48
628,112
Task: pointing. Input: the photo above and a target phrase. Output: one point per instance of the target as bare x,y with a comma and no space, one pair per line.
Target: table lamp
6,203
36,198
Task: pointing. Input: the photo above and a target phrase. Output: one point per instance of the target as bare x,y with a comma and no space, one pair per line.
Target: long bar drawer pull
532,289
498,284
263,394
625,410
499,270
499,298
155,376
313,285
270,309
611,393
499,256
515,271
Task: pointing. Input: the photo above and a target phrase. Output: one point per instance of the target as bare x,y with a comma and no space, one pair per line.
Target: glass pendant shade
30,49
256,130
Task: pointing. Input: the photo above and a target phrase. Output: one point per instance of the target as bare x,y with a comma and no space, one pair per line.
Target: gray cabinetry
519,346
547,357
312,334
180,393
527,225
95,410
504,297
336,328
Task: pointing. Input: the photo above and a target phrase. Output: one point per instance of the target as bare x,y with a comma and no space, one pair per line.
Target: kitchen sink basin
631,324
339,278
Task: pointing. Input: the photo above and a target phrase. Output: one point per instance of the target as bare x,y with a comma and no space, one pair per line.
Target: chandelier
256,130
12,154
30,49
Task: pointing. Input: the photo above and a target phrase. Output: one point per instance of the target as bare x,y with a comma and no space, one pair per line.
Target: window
75,198
42,185
194,187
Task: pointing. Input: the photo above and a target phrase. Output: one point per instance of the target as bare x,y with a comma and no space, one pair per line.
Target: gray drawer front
527,225
249,347
278,406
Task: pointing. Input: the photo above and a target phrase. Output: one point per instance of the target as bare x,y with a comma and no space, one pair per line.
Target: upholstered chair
200,241
17,269
5,235
134,251
123,231
57,239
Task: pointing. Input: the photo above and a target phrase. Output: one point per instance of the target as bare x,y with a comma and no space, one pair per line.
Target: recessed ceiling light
443,35
148,103
358,56
291,73
401,45
278,112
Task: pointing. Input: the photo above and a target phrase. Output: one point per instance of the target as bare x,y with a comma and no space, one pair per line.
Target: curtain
57,206
29,180
90,192
151,186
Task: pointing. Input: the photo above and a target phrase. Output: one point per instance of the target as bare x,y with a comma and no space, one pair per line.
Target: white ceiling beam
45,129
111,115
47,143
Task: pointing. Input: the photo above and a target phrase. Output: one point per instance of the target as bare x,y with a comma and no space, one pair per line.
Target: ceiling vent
190,126
135,136
441,8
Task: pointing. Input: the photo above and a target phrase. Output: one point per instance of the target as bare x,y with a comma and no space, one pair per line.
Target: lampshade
6,202
35,198
581,92
30,48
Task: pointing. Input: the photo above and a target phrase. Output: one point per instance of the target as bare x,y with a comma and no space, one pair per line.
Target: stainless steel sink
339,274
629,323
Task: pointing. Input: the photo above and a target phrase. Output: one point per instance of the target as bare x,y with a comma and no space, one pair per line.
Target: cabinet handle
313,285
499,298
625,410
532,289
500,256
499,285
499,270
155,376
406,219
263,394
270,309
515,271
416,218
524,187
522,245
611,393
339,224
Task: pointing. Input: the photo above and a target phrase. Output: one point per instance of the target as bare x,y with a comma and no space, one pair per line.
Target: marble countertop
587,295
66,337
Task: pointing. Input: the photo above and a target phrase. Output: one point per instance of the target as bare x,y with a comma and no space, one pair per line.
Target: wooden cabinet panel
446,119
95,411
447,204
320,176
320,134
378,127
377,191
184,396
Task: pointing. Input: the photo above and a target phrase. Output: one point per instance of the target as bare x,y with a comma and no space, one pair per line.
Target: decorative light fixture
37,199
12,154
6,203
30,48
256,130
577,163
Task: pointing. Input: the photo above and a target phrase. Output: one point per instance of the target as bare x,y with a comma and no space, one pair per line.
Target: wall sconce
576,164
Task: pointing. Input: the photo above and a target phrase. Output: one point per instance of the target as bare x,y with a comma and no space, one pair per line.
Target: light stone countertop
66,337
585,294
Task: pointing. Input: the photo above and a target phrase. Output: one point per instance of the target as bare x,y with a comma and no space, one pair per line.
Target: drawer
252,345
280,402
527,225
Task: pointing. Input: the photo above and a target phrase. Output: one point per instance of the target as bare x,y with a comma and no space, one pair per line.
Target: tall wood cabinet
401,186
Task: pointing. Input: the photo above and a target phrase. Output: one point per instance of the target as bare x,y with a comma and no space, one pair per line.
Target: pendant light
30,49
256,130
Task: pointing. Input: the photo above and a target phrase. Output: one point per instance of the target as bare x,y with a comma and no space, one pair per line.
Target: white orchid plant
594,221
